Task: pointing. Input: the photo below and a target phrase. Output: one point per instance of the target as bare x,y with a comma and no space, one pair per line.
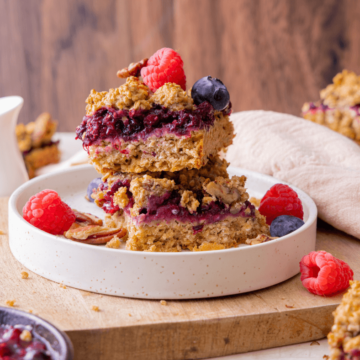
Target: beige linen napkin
323,163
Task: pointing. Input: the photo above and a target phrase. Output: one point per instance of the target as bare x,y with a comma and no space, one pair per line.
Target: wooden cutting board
144,329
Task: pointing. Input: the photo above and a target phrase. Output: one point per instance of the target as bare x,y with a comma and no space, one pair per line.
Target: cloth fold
323,163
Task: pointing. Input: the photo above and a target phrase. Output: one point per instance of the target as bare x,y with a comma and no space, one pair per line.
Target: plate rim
16,194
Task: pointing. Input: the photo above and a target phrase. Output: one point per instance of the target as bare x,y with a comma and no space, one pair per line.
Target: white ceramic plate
183,275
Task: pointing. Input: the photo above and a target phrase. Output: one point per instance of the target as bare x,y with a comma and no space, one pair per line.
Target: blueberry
93,185
285,224
212,90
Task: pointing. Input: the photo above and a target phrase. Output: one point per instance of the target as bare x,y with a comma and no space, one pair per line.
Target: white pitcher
12,168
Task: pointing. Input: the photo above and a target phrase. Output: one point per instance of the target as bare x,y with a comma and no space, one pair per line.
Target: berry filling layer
314,108
114,126
45,145
15,346
167,207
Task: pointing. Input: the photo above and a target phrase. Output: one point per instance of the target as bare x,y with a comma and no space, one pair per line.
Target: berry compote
112,125
12,347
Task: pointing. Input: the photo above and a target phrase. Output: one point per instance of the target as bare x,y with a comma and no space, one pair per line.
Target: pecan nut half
85,219
132,70
94,234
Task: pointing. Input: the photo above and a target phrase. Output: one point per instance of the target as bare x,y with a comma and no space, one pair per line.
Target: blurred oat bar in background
339,107
36,145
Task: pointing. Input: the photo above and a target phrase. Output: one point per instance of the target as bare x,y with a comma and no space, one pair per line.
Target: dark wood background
271,54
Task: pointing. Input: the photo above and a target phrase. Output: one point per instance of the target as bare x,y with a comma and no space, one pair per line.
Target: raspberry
163,67
47,212
280,200
324,274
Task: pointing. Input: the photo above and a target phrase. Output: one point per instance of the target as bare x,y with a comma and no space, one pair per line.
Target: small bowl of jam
24,336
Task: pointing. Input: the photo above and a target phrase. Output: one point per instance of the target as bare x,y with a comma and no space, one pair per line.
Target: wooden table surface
189,329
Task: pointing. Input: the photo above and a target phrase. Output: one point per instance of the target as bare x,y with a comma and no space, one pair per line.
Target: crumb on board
10,303
255,201
289,306
95,308
24,275
163,302
314,343
130,315
30,311
2,233
26,335
326,357
114,243
63,286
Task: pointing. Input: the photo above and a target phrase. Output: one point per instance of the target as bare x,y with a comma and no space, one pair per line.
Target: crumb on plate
26,335
10,303
114,243
314,343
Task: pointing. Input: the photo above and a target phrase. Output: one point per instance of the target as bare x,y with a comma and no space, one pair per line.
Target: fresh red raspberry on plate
324,274
47,212
279,200
165,66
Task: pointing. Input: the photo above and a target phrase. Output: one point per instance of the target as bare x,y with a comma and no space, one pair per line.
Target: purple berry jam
107,202
47,144
13,348
167,208
112,125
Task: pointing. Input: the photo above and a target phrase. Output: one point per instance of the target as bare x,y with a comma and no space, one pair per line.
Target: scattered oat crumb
130,315
326,357
10,303
101,296
289,306
314,343
86,293
30,311
63,286
114,243
2,233
24,275
255,201
95,308
163,302
26,335
34,292
282,298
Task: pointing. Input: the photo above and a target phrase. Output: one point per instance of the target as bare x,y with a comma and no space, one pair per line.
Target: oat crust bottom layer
161,236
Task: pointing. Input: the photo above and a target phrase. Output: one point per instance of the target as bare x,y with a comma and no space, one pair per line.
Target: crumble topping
189,201
256,202
114,243
24,275
134,94
120,198
172,96
26,335
345,90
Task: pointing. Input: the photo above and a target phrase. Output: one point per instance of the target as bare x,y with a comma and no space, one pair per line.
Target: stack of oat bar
157,148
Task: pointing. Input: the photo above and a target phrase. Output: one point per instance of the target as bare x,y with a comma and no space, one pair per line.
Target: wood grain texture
272,55
190,329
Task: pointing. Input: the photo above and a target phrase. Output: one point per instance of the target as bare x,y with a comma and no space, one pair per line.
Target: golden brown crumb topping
120,198
172,96
189,201
345,90
134,94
